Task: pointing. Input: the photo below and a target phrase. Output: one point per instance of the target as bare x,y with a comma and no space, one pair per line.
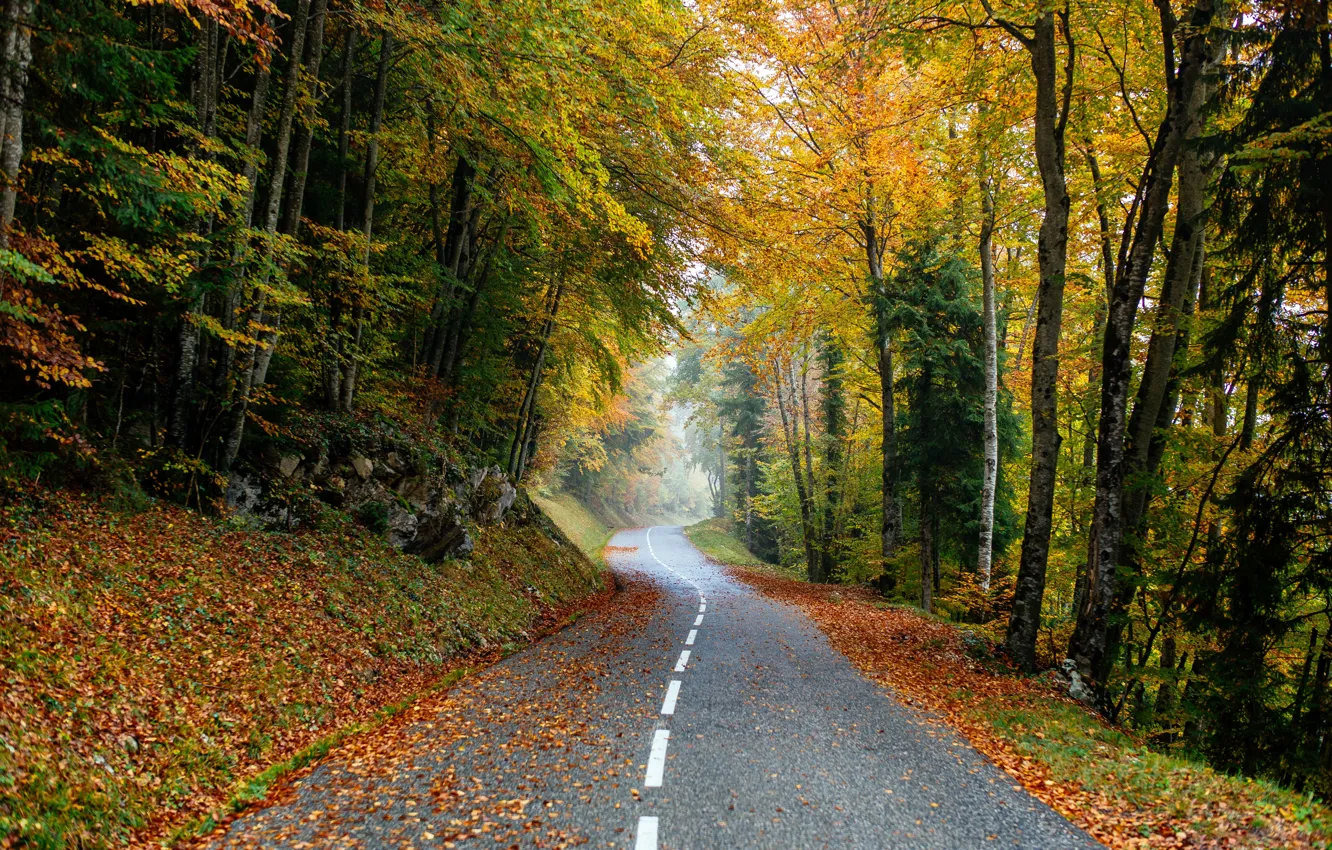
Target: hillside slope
154,659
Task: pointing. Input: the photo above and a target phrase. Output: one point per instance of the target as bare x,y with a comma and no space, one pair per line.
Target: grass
714,538
587,531
158,664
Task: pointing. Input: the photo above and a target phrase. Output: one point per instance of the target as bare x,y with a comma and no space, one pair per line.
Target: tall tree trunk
1052,253
990,437
305,136
455,240
16,61
254,136
1092,643
206,81
791,436
335,340
265,335
890,527
927,543
720,508
368,213
525,417
816,535
834,430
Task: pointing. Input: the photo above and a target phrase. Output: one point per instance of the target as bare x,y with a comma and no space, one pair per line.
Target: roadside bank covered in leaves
1114,786
153,658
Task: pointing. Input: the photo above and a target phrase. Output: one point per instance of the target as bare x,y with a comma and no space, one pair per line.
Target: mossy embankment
714,538
589,532
152,661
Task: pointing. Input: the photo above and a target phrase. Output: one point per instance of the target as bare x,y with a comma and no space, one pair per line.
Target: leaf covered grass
159,665
1117,788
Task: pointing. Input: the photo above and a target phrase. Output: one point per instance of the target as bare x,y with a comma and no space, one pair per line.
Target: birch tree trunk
990,438
16,61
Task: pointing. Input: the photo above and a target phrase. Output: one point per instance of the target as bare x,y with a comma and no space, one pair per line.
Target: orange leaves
1110,785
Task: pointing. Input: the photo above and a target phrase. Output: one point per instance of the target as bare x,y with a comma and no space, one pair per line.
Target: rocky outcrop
429,508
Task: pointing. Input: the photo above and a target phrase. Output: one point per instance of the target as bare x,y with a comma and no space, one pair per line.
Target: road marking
693,633
672,694
653,552
698,621
657,759
702,608
684,659
647,834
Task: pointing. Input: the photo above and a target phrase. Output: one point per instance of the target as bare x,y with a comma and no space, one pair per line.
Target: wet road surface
689,713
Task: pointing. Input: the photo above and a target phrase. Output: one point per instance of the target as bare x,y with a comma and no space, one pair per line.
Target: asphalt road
609,735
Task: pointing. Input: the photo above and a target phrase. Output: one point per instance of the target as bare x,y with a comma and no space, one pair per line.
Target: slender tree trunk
721,474
335,340
344,129
265,335
791,435
985,549
1092,644
927,544
206,80
534,383
368,212
1052,252
305,136
816,535
455,240
834,429
891,515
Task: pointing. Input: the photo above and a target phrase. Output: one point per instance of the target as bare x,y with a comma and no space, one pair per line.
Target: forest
1016,312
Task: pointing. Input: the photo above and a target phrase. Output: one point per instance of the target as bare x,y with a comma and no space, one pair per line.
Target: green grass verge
588,532
714,538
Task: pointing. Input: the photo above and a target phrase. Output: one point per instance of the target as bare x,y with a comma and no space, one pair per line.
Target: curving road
691,713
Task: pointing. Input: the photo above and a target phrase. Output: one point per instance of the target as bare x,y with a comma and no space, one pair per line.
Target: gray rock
364,466
402,525
288,465
1076,687
244,494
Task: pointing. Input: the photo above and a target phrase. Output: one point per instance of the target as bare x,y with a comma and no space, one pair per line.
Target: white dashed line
656,765
657,758
647,834
672,694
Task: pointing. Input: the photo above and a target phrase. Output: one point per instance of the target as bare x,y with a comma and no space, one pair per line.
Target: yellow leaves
167,265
